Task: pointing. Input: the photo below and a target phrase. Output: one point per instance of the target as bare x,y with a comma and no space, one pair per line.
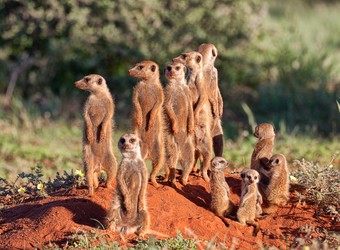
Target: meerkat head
176,71
129,146
276,160
264,130
209,53
218,163
91,83
145,70
250,176
192,59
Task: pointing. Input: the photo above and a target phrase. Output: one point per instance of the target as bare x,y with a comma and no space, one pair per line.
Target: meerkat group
178,124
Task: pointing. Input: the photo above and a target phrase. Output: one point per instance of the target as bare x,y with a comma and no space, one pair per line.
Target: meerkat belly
97,114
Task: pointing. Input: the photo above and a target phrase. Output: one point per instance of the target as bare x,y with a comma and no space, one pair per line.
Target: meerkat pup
263,149
202,114
251,200
128,213
148,99
276,193
221,204
97,132
210,73
179,125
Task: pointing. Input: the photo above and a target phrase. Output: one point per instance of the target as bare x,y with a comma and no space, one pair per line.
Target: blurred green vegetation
280,58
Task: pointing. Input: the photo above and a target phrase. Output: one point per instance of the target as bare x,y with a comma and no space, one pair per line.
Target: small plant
31,185
322,184
170,243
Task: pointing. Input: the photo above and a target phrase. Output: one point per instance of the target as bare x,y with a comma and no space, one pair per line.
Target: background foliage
283,65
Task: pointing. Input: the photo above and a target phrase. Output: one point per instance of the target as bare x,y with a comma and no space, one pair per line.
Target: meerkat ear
153,67
100,80
198,59
214,53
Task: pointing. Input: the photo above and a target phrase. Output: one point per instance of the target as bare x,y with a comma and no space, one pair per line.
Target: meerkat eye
168,68
122,140
213,53
86,79
242,176
183,56
100,81
153,68
178,68
277,161
255,177
140,67
132,140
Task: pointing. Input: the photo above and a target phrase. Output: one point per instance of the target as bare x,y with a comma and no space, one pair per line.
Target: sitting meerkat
128,213
221,204
202,110
148,100
179,123
276,192
251,200
97,133
263,149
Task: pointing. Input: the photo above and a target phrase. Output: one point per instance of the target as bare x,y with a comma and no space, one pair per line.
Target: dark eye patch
122,140
140,67
242,176
178,68
132,140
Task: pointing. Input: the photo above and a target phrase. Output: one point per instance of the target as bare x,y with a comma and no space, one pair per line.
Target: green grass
58,146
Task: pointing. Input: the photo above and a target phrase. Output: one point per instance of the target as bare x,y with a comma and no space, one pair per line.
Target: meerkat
128,213
263,149
97,132
210,73
179,122
251,200
202,115
148,99
221,204
276,192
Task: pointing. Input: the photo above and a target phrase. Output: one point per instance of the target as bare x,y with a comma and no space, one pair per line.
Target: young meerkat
128,213
97,133
148,99
179,123
276,192
263,149
251,200
202,114
221,204
210,73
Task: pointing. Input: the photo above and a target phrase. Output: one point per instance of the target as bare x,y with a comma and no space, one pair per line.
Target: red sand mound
56,218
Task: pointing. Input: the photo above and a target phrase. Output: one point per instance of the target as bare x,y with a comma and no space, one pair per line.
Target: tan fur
264,147
221,204
210,74
179,122
148,114
201,106
276,192
251,200
97,132
128,213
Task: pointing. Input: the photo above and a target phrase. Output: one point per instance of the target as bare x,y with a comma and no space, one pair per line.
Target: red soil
56,218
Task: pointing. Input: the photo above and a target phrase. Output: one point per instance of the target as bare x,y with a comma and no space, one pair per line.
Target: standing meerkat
128,213
148,114
97,132
202,114
251,200
276,192
221,204
210,73
263,149
179,122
